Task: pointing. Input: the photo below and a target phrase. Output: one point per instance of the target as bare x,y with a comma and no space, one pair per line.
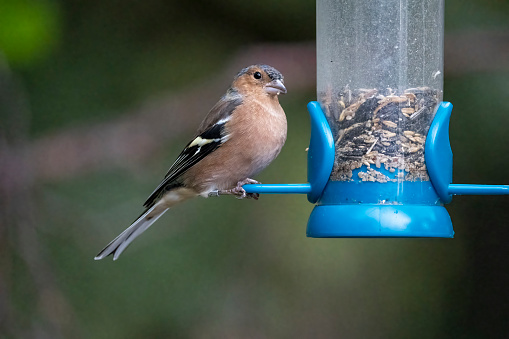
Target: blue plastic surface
371,220
278,188
320,161
467,189
438,153
438,157
395,193
370,209
321,152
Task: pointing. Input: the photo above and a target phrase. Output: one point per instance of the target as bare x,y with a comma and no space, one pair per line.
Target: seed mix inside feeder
380,129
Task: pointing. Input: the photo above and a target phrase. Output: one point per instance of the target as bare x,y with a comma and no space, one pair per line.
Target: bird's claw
254,196
241,192
238,190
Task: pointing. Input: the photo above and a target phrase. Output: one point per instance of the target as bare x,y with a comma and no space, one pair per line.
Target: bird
238,138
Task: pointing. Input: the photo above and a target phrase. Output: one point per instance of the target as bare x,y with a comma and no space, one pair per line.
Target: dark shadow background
96,100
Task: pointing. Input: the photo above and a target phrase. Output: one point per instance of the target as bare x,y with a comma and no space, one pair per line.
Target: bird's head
259,79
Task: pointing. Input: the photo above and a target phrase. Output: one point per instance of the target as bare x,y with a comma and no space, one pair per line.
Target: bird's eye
257,75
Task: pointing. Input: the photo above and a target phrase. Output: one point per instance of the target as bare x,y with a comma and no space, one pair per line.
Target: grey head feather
273,73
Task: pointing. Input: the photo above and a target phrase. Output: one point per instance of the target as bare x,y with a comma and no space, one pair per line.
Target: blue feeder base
372,220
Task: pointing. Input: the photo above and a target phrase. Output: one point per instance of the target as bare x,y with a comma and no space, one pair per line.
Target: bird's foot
241,193
238,190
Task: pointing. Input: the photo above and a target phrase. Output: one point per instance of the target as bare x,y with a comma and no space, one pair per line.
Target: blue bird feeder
379,159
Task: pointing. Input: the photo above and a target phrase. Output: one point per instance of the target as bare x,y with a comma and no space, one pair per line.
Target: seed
390,123
399,99
381,104
343,114
388,134
416,114
385,143
411,96
367,93
419,140
341,134
407,110
350,111
408,133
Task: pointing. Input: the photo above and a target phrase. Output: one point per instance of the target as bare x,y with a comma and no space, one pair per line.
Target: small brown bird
240,136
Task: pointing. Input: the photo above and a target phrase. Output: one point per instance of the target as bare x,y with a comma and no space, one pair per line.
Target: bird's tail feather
120,243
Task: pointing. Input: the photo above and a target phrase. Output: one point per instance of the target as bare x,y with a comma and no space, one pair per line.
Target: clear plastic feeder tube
380,78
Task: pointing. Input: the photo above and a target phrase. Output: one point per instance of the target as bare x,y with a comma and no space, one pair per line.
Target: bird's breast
259,133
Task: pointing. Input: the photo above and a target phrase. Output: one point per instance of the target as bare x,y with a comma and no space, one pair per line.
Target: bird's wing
211,135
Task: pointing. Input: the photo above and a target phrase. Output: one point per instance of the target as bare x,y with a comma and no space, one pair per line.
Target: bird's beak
275,87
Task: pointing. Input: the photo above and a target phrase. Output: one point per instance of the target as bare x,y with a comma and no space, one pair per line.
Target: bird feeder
379,160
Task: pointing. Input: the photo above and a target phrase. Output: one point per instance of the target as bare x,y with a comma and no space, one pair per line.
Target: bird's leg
238,190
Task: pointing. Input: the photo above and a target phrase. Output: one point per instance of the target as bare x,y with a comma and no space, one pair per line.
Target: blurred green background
96,100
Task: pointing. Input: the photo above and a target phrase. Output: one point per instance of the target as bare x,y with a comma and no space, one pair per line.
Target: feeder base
379,221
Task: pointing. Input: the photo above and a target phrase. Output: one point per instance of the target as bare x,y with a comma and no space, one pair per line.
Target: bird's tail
120,243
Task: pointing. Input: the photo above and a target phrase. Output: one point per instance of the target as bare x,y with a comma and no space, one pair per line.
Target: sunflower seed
390,123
